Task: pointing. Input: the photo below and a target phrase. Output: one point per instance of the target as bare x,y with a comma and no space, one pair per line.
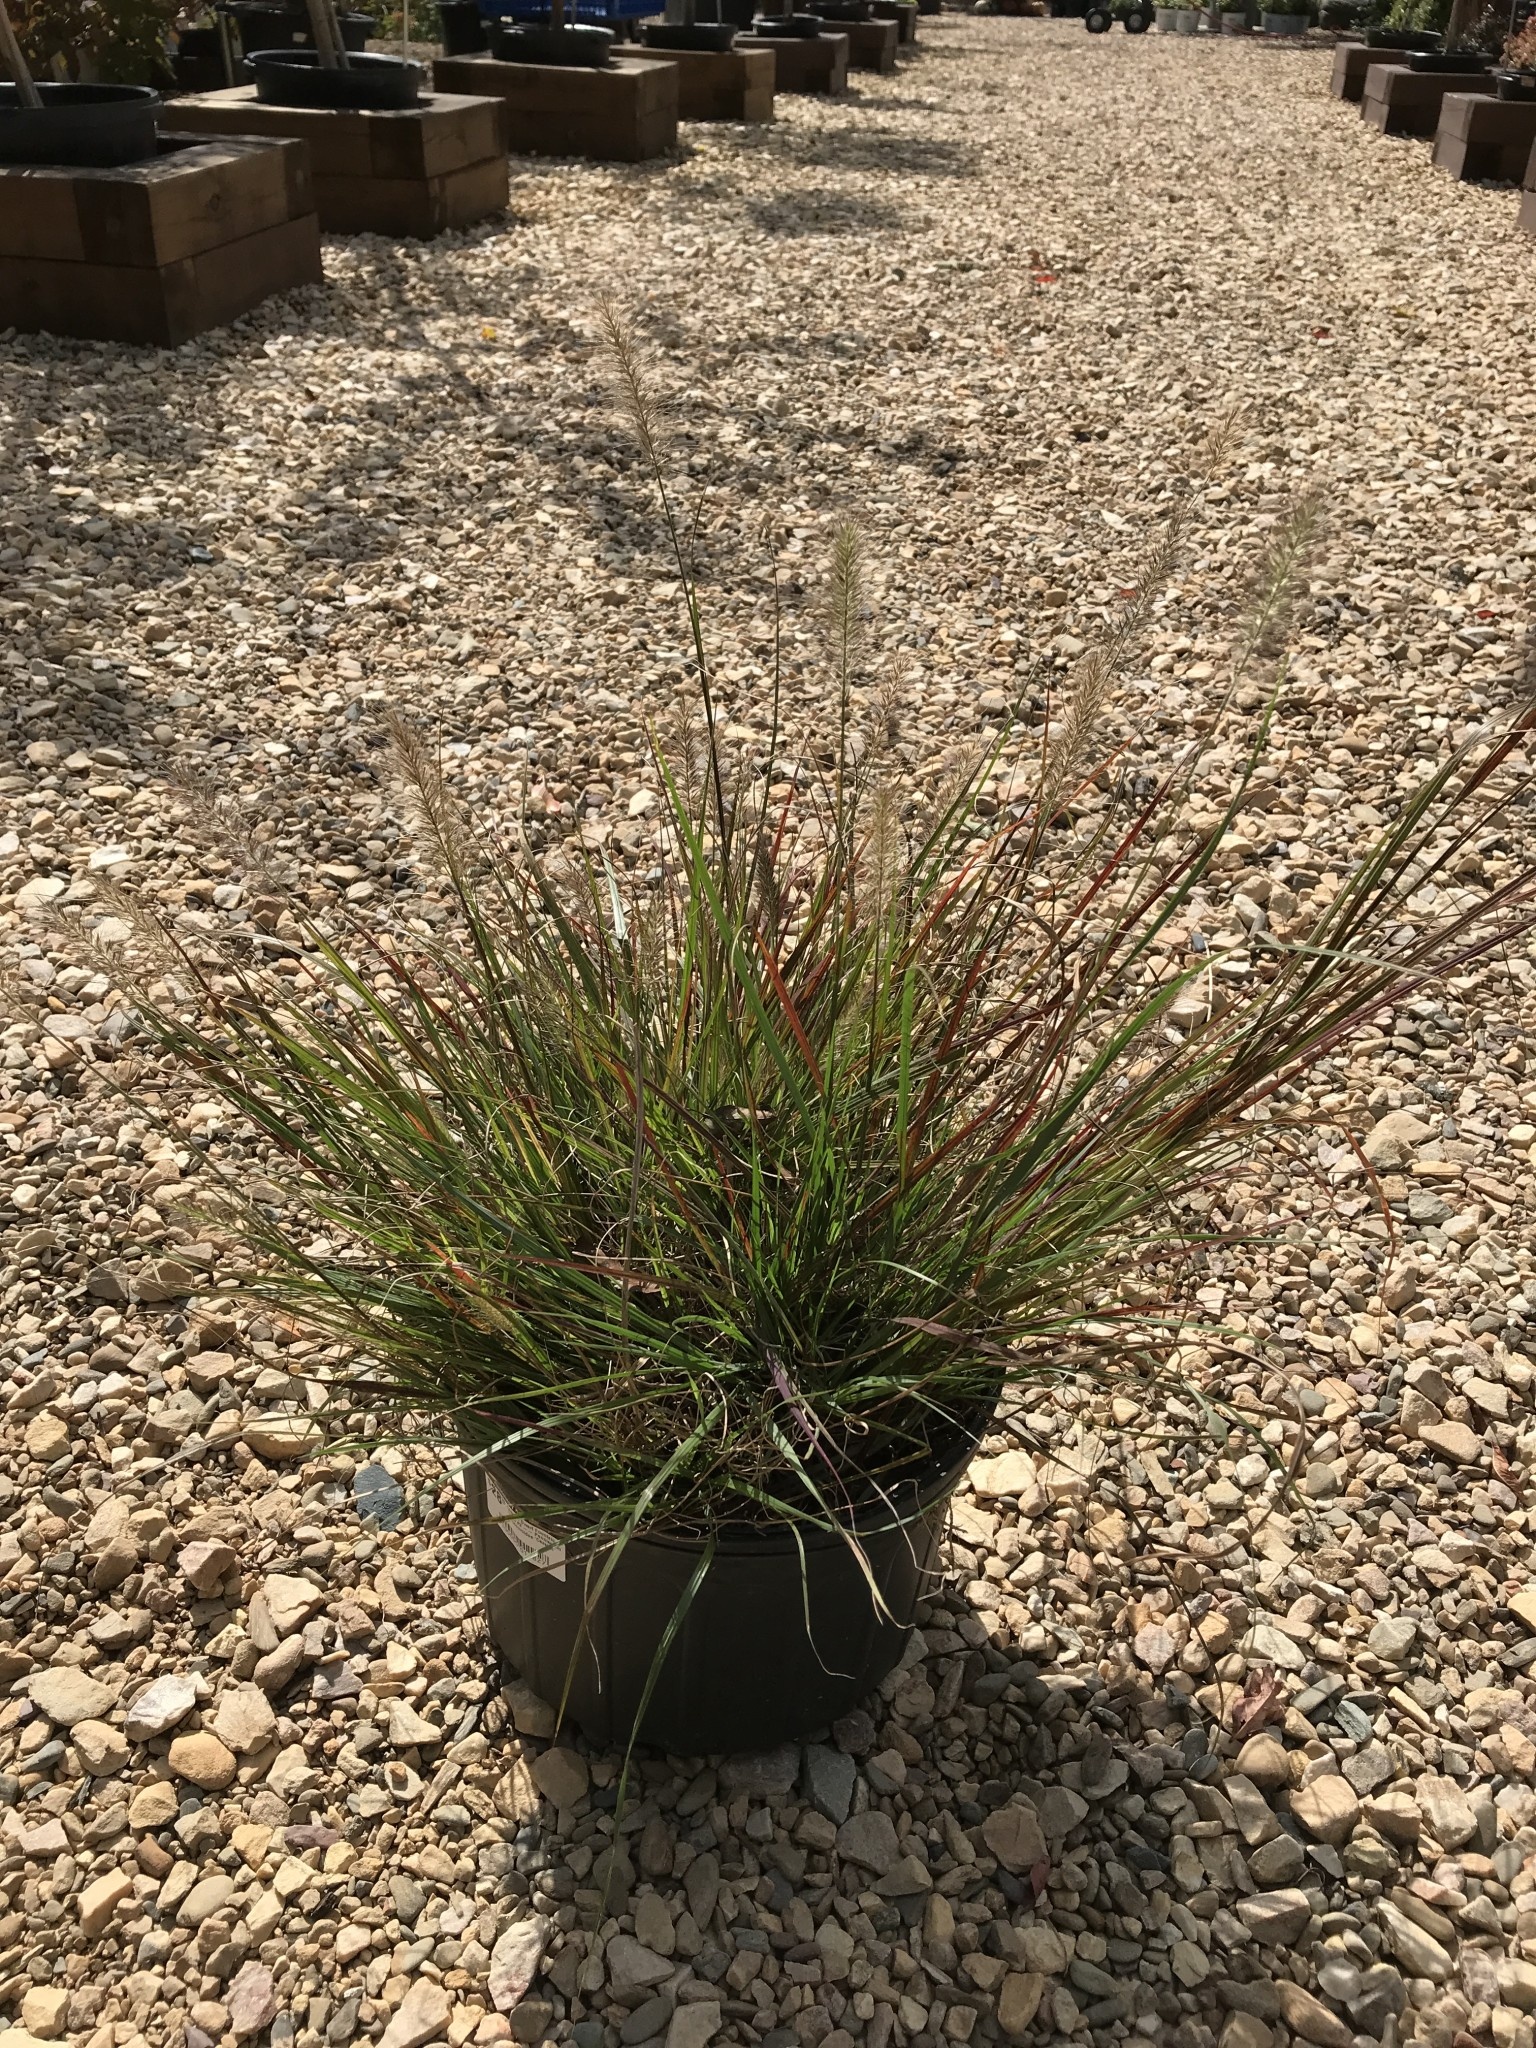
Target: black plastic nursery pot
1515,85
370,83
517,42
197,62
792,26
698,35
262,26
463,26
769,1648
1464,61
836,11
89,126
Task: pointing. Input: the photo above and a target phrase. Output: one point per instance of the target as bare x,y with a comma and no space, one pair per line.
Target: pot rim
907,1500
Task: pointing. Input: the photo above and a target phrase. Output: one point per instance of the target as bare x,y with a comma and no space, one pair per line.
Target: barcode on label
526,1538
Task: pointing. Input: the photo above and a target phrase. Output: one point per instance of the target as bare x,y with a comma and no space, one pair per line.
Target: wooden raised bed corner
805,63
1480,137
159,251
416,171
904,13
1351,61
872,44
1403,102
623,113
720,85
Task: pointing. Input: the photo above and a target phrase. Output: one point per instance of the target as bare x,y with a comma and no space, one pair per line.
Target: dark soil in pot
529,43
463,26
743,1671
297,78
92,126
797,27
265,27
1515,85
698,35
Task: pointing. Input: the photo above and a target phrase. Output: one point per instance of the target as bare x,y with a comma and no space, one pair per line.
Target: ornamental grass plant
734,1189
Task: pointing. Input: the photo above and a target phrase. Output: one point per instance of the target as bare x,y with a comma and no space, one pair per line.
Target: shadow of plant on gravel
826,210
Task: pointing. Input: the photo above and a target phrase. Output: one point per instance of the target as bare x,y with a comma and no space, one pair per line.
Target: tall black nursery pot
743,1671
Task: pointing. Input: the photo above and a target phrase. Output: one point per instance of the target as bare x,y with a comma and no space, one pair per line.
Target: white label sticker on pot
525,1537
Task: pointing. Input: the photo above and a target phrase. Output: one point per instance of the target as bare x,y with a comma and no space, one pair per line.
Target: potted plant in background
1516,77
1410,25
583,45
1234,21
710,1205
1167,20
682,30
1292,23
328,74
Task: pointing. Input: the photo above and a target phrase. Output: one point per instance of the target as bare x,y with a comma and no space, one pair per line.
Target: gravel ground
1174,1756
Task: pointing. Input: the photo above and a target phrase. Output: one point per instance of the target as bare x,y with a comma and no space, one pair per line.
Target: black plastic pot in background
197,62
577,45
1515,85
836,11
90,126
297,78
262,26
788,27
698,35
464,29
743,1671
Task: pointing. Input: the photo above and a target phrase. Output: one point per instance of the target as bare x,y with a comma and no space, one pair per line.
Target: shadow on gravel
827,211
913,155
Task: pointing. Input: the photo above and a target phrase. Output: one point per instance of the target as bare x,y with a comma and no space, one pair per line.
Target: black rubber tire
370,83
1098,21
700,35
91,126
577,46
1136,20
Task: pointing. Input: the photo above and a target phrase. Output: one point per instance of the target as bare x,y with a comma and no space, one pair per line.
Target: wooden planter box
624,113
872,45
1403,102
1351,61
805,63
721,85
1525,220
158,251
904,13
1480,137
417,172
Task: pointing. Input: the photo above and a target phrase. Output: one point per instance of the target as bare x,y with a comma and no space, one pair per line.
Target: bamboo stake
327,34
14,62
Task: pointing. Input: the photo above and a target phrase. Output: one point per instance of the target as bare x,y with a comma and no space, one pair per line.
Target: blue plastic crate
595,11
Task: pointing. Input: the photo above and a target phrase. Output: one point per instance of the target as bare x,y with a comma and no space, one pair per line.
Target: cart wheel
1097,21
1137,20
